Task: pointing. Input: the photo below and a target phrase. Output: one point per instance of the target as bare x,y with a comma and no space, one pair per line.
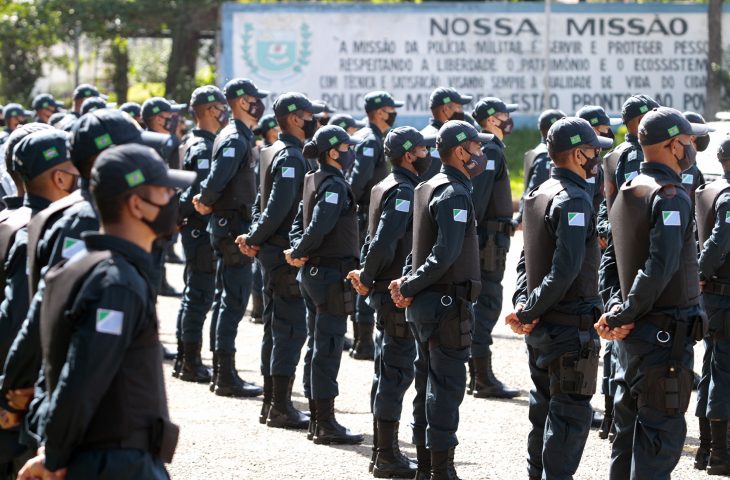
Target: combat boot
486,384
374,453
390,462
605,427
177,365
355,337
364,348
282,413
472,378
213,378
719,463
257,309
327,431
702,457
266,405
228,384
312,419
193,369
423,457
442,465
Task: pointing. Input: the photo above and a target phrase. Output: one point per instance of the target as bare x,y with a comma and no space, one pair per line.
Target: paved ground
221,437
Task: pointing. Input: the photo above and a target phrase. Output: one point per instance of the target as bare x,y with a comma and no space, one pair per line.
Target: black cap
238,87
40,151
346,121
325,107
455,132
596,116
636,106
55,118
85,91
91,104
376,100
266,123
156,105
121,168
292,101
205,95
488,106
16,136
134,109
402,139
571,132
446,95
15,110
723,151
548,117
331,136
664,123
44,100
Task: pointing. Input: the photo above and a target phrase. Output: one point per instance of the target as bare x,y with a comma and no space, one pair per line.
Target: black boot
227,382
442,465
172,257
327,431
597,419
364,348
266,405
312,419
355,338
703,453
486,384
390,462
423,456
282,413
193,369
605,427
167,290
719,463
374,453
177,365
472,378
214,377
257,309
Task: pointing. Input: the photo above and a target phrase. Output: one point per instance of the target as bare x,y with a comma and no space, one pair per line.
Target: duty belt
460,290
583,321
381,286
717,288
138,440
343,264
279,241
493,226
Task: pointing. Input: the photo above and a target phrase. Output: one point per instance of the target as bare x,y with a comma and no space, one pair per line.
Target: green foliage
517,143
139,92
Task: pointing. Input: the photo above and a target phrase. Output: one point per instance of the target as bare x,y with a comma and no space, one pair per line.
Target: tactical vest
240,192
135,400
529,161
630,220
435,166
189,143
705,211
343,240
540,244
380,191
610,164
425,230
37,227
17,220
500,204
380,170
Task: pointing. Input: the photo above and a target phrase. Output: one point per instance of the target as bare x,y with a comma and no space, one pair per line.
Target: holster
284,282
204,261
578,372
340,299
232,256
667,388
163,441
492,257
394,321
455,323
719,324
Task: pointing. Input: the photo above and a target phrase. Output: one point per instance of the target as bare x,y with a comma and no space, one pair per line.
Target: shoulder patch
591,180
435,153
109,321
688,178
368,151
203,164
630,175
229,152
576,219
727,217
402,205
490,165
671,218
71,247
331,197
288,172
459,215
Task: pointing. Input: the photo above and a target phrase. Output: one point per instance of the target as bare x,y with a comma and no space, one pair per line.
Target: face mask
391,118
422,164
171,124
346,159
506,126
256,109
457,116
476,165
223,117
165,222
309,127
702,143
323,121
689,158
608,134
590,167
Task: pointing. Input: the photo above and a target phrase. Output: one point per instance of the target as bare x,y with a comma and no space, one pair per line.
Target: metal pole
77,54
546,77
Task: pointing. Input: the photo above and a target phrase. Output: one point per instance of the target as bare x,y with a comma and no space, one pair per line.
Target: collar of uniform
199,132
436,124
242,128
376,131
289,138
565,174
329,168
412,177
136,255
726,176
13,202
457,175
84,186
631,138
35,203
659,168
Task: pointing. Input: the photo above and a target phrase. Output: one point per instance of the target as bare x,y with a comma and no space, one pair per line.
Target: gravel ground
221,437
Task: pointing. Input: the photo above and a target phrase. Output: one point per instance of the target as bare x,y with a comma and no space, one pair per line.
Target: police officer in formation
557,302
44,105
81,93
602,124
347,123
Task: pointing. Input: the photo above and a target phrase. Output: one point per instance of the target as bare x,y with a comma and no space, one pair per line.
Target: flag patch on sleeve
688,178
630,176
402,205
287,172
368,151
671,218
490,165
203,163
459,215
229,152
71,247
727,217
576,219
109,321
331,197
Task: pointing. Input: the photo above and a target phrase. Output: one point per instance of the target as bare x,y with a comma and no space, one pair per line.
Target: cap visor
176,179
699,129
398,103
315,108
351,140
178,107
111,105
103,97
361,123
466,99
28,113
152,139
512,107
614,122
602,142
428,141
484,137
262,94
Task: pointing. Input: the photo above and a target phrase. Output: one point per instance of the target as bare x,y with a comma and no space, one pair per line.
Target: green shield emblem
276,55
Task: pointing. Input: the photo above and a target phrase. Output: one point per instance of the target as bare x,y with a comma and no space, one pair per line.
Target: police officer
442,282
210,111
15,115
446,104
228,194
602,124
44,105
121,427
134,110
492,198
324,117
388,243
347,123
536,163
280,190
370,168
93,103
657,311
713,408
558,287
81,93
692,178
324,241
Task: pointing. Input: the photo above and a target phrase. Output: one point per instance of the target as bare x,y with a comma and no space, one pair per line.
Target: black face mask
171,124
457,116
256,109
689,158
608,134
702,143
74,183
506,126
422,164
165,222
346,159
591,165
323,121
476,165
391,118
222,118
309,127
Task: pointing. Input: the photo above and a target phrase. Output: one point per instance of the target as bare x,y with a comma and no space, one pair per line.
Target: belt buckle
663,337
446,301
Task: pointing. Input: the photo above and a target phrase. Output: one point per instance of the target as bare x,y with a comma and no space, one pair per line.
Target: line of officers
404,230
